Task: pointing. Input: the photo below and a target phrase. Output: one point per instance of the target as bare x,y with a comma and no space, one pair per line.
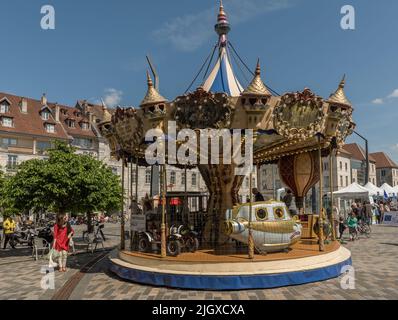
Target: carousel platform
206,270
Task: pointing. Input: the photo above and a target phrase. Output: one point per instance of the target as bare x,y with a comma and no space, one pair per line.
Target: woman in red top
63,232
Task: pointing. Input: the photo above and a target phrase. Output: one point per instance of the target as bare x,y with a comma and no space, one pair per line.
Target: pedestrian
9,226
342,226
258,197
63,233
335,218
368,213
381,209
352,223
288,198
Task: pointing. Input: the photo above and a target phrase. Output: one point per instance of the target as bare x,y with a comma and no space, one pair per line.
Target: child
352,223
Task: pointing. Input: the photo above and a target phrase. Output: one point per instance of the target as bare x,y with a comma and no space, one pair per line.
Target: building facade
386,168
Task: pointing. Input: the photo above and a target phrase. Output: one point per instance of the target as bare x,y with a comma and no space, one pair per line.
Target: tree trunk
89,223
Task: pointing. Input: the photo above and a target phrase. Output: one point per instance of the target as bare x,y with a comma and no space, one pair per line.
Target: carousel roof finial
339,97
152,96
222,27
257,86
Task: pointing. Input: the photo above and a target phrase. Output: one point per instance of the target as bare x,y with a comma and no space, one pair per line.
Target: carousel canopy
222,78
388,189
353,191
374,191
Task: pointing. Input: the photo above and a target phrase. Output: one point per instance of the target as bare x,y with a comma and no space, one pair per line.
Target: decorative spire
222,27
339,97
152,95
257,86
107,117
43,100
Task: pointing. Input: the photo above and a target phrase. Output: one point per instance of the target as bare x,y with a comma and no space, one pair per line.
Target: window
326,182
83,143
12,162
262,214
193,180
9,142
114,170
45,115
133,175
43,146
50,128
4,106
341,181
183,178
278,213
148,176
346,181
383,173
172,177
346,166
341,165
85,126
247,182
71,123
7,122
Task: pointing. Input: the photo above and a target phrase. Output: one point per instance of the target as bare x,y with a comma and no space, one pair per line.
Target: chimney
24,105
43,100
90,119
57,112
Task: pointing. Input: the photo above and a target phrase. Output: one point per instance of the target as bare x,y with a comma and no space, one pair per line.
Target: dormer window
4,106
71,123
45,115
85,125
7,122
50,128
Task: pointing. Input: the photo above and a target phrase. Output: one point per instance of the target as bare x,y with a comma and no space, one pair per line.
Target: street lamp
367,156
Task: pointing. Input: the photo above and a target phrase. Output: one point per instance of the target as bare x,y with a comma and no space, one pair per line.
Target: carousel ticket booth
210,240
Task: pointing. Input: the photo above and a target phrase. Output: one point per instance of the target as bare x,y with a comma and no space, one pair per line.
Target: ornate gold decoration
152,96
299,115
202,110
257,86
339,97
128,127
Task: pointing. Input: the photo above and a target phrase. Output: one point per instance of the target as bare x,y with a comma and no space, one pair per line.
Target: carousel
209,240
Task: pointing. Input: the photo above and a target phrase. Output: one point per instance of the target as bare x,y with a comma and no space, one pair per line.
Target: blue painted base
219,283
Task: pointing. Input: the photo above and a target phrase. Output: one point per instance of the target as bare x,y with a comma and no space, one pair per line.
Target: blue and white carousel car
273,228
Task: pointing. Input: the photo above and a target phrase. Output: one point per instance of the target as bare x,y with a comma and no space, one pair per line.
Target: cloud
112,97
394,94
189,32
378,101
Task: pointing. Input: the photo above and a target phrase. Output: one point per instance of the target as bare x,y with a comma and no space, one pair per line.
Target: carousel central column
223,185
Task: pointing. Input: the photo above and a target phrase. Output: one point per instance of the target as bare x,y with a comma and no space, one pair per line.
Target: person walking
63,233
9,226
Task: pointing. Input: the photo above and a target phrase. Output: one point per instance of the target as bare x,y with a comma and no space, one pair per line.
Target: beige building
387,169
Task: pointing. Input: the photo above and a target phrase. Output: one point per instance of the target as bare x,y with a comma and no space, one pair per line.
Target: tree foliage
65,182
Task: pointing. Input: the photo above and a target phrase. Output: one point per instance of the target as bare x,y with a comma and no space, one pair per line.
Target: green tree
65,182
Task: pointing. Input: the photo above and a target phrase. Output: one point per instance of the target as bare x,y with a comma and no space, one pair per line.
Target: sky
98,49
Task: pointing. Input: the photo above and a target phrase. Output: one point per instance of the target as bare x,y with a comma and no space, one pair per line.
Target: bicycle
364,229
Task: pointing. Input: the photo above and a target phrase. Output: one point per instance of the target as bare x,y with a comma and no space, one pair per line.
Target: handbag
53,255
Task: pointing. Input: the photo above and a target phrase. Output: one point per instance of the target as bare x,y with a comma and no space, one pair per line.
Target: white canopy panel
353,191
388,189
374,191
